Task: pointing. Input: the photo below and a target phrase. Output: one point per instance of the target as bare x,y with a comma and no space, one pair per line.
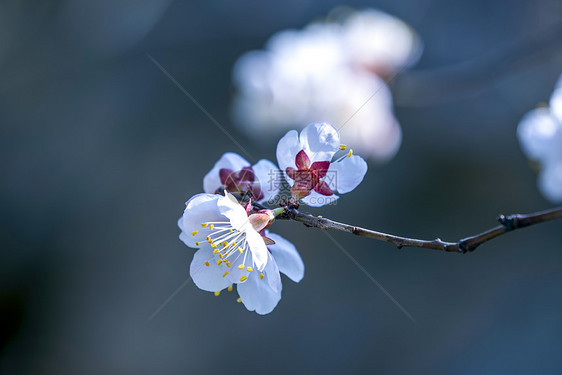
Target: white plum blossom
234,247
235,174
306,161
540,136
328,71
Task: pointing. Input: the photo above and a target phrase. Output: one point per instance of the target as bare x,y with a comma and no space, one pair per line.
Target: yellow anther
249,269
204,224
213,246
320,216
240,250
216,251
208,238
207,263
228,264
239,300
212,226
225,273
231,230
219,262
196,243
350,153
234,244
221,255
244,278
230,288
217,293
261,276
194,232
343,147
225,243
240,266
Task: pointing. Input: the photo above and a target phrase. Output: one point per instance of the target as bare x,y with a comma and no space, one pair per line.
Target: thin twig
468,244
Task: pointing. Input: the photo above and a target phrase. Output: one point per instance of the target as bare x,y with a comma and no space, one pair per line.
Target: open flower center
312,176
308,176
230,246
242,181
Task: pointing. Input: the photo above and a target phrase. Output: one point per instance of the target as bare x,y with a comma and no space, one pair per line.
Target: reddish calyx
241,182
308,176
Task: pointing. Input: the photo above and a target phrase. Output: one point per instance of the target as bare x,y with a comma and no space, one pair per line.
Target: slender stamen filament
229,244
348,155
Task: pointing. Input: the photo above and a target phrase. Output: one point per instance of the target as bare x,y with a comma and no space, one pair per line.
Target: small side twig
468,244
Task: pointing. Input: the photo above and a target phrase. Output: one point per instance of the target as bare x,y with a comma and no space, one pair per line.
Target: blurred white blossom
540,135
332,72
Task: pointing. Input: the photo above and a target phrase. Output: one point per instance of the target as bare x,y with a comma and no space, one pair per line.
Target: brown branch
468,244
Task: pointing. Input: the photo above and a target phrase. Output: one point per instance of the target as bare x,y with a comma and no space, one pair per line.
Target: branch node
462,246
510,222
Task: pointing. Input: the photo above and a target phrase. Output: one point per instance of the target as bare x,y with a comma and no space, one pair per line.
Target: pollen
350,153
216,251
343,147
228,264
212,226
261,276
208,238
219,262
207,263
194,232
221,255
204,224
240,266
230,288
239,300
196,243
225,273
244,278
217,293
249,269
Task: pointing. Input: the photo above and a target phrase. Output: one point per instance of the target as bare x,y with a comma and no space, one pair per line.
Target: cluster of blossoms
327,71
540,135
233,239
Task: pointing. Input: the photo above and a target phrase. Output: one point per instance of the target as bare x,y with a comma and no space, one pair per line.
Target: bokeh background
99,151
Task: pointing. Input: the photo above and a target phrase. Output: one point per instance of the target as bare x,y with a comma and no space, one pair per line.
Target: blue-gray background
99,150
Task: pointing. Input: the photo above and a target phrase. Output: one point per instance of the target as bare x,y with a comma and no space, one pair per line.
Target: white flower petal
230,208
208,278
287,149
377,40
269,179
257,295
540,134
550,181
315,199
347,174
201,207
271,271
320,141
229,160
258,248
287,257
